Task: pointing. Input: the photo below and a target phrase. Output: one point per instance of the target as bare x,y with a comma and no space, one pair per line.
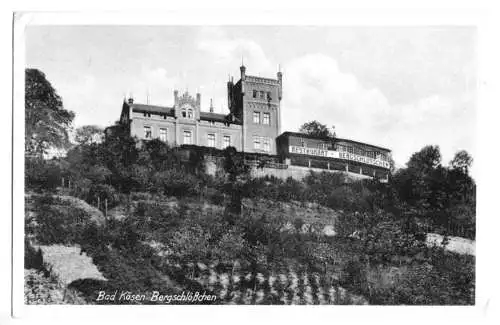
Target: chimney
243,70
198,100
176,96
280,82
130,100
211,106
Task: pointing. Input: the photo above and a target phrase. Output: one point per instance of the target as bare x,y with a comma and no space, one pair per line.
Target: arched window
187,111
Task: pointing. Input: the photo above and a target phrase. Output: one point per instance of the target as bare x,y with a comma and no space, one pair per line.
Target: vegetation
174,217
442,198
317,129
47,122
89,134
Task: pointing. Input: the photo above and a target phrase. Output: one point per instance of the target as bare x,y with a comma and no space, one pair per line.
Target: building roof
209,116
288,133
169,111
152,109
261,79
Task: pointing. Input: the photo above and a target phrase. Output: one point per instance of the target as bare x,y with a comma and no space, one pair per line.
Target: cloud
75,94
315,88
230,51
158,82
314,85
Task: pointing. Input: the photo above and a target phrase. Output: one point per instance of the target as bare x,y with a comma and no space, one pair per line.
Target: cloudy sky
398,87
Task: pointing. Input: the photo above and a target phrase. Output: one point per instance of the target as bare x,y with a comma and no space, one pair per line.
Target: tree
47,122
392,164
428,158
89,134
461,161
237,172
315,128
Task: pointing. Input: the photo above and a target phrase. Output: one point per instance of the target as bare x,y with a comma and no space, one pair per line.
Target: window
190,113
269,95
266,118
266,144
256,142
262,94
255,94
227,141
350,149
256,117
184,114
211,140
163,135
147,132
165,116
187,137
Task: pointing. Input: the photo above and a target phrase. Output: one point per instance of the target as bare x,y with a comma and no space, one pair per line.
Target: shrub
178,183
353,275
57,224
42,175
216,197
141,196
103,193
81,188
33,258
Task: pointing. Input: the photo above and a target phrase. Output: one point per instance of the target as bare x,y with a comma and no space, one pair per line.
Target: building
334,154
255,102
252,126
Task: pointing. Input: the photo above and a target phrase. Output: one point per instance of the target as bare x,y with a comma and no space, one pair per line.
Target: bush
178,183
57,224
81,188
33,259
103,193
354,275
42,175
216,197
430,284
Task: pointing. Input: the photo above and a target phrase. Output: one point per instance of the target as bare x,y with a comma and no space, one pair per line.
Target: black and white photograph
182,163
243,165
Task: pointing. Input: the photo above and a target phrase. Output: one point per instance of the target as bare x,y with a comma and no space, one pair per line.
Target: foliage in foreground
389,264
373,256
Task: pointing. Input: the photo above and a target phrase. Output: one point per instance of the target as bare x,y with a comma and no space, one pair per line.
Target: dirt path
456,244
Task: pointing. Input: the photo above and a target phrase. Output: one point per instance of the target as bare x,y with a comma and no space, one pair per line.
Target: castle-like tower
256,102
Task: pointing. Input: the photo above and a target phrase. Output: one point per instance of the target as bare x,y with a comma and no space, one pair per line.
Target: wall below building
298,172
295,172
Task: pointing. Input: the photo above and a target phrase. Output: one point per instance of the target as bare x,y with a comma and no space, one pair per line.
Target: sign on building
339,155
